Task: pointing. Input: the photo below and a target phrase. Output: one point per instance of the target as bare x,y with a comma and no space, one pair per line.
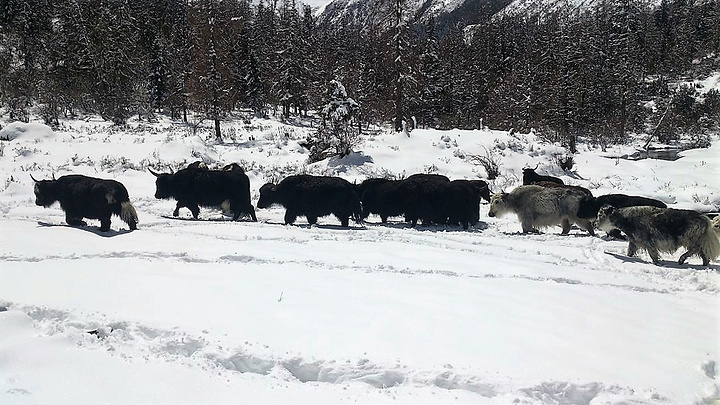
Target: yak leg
684,257
345,221
312,219
74,220
654,254
105,223
691,252
632,249
383,219
251,210
179,205
705,258
527,227
566,226
587,225
194,209
290,217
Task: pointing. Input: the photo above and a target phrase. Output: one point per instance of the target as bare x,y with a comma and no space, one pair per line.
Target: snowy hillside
544,7
372,13
219,312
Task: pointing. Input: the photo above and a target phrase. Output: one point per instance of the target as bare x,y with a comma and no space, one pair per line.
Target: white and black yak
313,197
87,197
196,186
663,230
540,207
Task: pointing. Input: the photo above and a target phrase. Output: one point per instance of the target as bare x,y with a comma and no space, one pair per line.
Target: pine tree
210,79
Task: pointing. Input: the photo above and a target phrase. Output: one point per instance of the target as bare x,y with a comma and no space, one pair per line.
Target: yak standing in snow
313,197
658,230
589,207
87,197
530,176
197,186
538,207
384,197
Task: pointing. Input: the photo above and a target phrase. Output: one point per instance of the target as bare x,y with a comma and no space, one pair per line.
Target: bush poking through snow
490,162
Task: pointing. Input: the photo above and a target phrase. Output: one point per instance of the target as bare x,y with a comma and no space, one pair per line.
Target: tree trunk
218,135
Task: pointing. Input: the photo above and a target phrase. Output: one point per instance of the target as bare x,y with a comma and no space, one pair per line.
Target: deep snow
214,311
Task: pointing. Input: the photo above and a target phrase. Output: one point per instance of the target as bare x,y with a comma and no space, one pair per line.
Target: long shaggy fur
87,197
663,230
313,197
540,207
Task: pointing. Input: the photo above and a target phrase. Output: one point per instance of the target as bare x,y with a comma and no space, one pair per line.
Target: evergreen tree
209,84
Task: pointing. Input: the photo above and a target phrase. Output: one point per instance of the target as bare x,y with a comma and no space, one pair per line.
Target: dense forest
598,74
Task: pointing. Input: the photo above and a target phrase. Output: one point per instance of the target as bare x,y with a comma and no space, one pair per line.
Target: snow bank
189,311
26,131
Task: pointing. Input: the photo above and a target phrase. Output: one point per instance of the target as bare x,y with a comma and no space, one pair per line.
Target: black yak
195,187
658,230
538,207
589,207
386,198
313,197
462,201
87,197
531,177
427,201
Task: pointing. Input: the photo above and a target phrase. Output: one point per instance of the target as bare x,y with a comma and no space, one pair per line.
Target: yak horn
34,179
153,173
53,177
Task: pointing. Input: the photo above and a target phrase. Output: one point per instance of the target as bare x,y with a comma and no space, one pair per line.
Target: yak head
530,175
233,167
498,206
604,219
45,191
267,196
163,184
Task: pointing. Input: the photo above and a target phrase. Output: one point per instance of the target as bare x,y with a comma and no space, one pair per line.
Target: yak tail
128,214
710,242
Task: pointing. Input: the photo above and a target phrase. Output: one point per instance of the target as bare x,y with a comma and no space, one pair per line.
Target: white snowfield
212,311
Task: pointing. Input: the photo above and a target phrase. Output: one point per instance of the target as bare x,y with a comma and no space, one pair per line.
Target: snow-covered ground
220,312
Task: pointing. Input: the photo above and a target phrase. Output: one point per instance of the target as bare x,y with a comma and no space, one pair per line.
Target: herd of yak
541,201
